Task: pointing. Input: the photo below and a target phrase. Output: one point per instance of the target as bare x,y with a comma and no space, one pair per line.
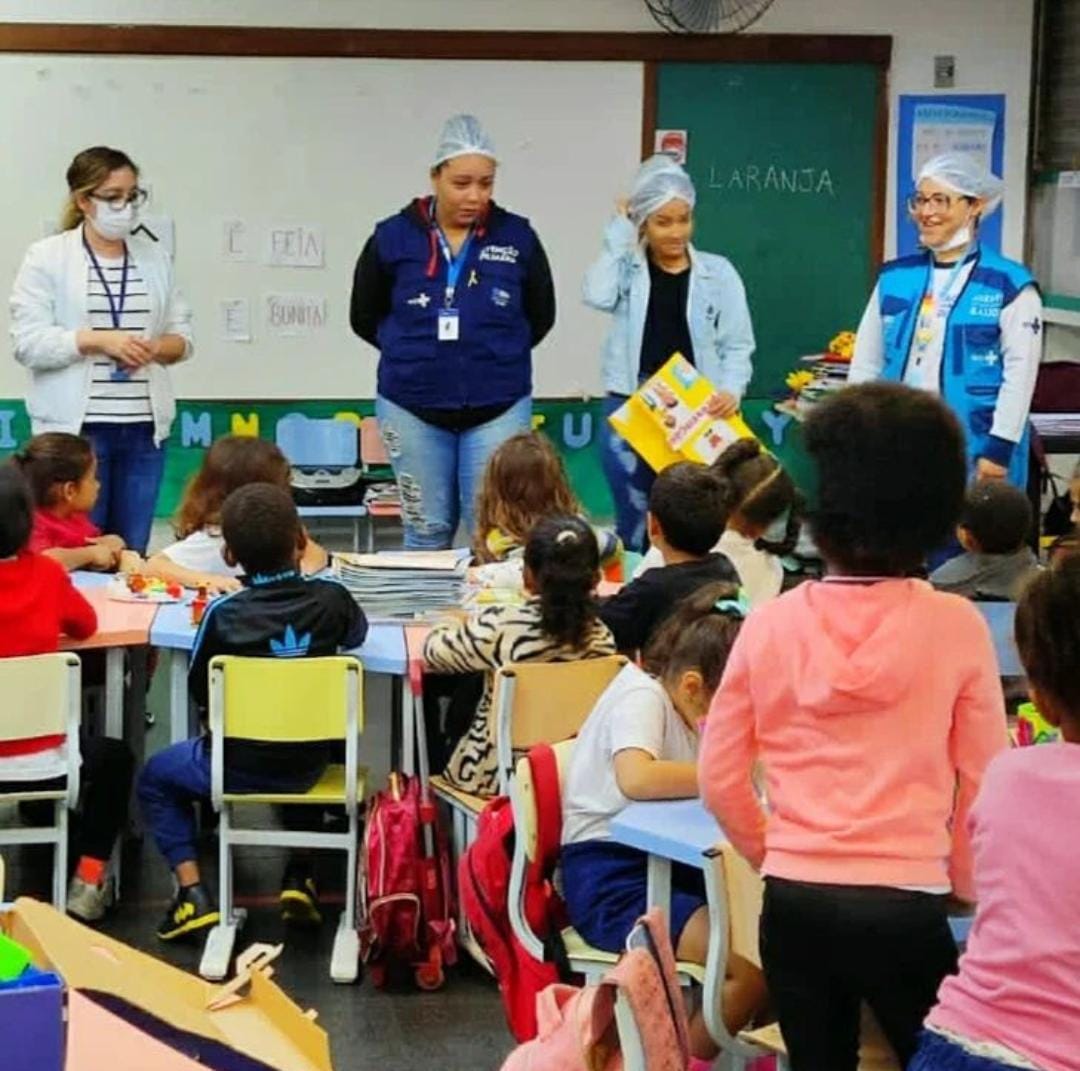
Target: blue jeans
630,479
178,776
439,472
129,468
937,1053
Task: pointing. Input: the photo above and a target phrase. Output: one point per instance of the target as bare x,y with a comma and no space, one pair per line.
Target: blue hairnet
659,180
966,175
462,135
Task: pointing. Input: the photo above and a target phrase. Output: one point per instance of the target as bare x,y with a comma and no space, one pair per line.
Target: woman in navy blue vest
959,320
454,292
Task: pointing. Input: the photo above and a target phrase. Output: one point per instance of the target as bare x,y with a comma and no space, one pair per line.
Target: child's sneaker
191,910
300,897
88,901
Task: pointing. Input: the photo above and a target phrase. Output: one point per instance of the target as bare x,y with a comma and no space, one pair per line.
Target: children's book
666,420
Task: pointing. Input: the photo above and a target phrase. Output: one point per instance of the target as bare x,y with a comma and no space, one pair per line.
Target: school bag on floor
484,887
406,910
578,1029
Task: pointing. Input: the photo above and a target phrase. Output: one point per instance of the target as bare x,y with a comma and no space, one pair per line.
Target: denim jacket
717,313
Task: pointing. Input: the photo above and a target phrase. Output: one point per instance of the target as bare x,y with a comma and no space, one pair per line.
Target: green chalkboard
785,160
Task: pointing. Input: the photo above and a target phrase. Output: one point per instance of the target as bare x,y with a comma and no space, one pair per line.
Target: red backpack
406,913
484,886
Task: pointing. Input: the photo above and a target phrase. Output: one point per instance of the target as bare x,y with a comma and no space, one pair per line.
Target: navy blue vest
491,363
971,363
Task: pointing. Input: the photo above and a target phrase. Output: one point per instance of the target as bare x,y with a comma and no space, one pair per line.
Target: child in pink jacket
1016,1000
873,704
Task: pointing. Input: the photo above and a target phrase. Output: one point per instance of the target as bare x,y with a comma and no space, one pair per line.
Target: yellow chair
286,701
42,697
584,958
735,894
535,703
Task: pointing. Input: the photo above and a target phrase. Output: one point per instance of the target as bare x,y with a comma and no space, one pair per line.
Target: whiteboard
331,144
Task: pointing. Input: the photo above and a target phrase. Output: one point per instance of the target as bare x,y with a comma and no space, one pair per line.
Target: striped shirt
495,637
117,396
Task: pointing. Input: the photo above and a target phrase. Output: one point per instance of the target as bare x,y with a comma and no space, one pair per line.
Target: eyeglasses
137,198
936,202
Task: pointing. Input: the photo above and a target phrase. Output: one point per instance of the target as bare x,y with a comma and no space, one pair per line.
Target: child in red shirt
38,602
62,472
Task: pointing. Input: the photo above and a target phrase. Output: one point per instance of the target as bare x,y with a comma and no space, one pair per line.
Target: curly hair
524,481
563,557
231,462
697,634
764,493
890,477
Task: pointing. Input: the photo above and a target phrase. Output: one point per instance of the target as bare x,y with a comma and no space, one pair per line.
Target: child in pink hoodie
1016,1000
872,702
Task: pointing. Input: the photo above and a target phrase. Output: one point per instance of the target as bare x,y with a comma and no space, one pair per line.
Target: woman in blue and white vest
454,292
664,296
959,320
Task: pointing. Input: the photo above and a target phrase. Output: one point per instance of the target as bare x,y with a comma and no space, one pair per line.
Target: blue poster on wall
946,123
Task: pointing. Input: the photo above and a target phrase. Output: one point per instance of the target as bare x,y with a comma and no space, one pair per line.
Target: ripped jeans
630,479
439,472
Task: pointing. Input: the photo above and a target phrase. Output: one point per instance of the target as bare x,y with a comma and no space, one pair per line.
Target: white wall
991,40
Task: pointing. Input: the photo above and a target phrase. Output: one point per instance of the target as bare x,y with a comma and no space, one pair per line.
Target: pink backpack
577,1027
406,913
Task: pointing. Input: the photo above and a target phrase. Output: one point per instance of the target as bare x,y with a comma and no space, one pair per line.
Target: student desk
120,625
383,651
681,831
355,513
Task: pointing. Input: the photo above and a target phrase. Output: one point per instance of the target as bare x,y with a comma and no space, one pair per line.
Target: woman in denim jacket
664,296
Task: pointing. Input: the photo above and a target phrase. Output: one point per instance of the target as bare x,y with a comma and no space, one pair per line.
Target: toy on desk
198,606
1033,728
138,588
818,375
14,959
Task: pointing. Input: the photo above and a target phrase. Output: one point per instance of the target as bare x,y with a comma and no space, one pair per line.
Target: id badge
449,325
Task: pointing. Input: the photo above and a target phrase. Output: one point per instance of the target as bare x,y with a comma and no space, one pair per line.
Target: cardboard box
254,1028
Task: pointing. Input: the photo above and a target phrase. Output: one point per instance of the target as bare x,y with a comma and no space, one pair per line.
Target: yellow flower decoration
843,345
797,381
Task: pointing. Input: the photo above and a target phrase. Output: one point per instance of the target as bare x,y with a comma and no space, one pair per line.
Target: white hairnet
659,180
966,175
462,135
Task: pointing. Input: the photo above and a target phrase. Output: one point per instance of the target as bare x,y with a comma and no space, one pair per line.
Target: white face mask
961,238
114,224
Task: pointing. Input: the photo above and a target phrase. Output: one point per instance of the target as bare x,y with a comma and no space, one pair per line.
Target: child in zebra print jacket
557,623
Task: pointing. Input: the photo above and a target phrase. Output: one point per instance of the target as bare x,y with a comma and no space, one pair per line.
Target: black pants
827,948
105,781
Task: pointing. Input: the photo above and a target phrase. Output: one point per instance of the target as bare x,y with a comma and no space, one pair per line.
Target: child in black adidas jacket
277,614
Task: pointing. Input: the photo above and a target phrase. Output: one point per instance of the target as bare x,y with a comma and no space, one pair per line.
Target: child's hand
131,562
218,585
102,557
113,542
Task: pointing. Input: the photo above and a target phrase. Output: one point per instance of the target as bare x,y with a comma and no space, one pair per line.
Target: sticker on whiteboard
672,143
235,320
295,246
295,314
1069,180
234,240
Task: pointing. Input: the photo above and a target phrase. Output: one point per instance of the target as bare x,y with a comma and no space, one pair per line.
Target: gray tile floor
460,1027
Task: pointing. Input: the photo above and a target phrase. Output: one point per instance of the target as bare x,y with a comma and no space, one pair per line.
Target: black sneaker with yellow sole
191,910
300,898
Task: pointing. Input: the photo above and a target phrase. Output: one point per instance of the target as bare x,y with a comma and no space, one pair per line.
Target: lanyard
454,265
116,308
928,312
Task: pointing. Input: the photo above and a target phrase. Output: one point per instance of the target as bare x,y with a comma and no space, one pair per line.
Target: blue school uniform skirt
604,886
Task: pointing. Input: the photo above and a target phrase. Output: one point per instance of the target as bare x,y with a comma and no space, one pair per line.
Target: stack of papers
829,373
404,583
1056,423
